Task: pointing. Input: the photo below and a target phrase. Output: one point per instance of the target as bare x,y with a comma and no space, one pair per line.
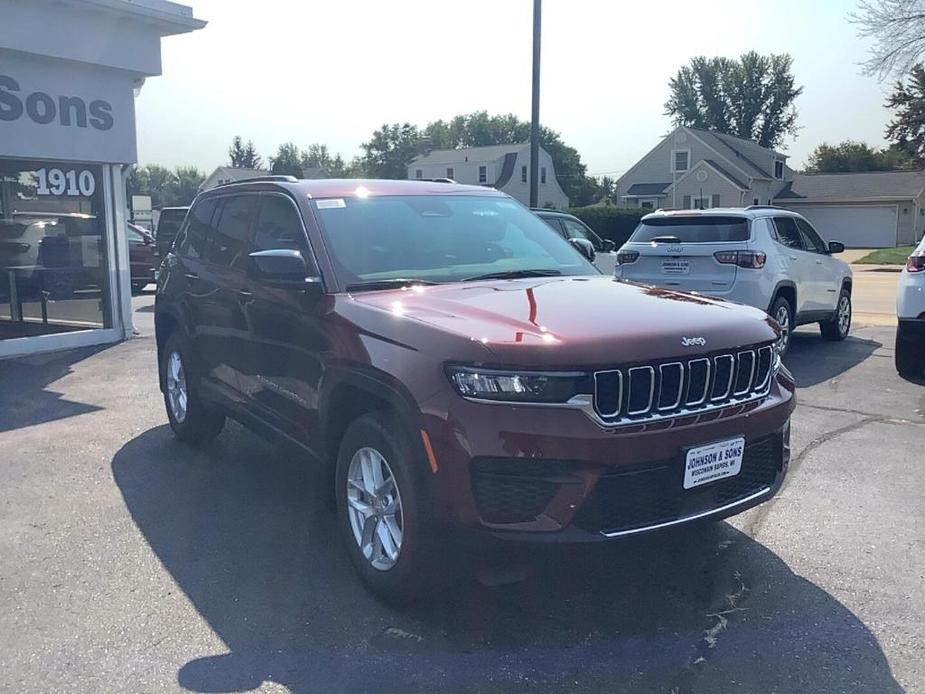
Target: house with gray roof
697,169
504,167
228,174
867,209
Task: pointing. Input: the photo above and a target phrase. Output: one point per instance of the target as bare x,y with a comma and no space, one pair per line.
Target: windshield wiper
389,283
665,239
513,275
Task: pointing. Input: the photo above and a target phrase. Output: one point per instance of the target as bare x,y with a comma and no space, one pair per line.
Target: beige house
692,168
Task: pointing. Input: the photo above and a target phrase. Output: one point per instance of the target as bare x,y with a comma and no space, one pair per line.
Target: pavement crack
754,524
860,413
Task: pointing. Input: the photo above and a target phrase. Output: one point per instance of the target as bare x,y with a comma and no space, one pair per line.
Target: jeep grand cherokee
458,365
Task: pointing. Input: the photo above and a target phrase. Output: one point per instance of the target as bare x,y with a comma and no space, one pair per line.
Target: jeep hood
564,322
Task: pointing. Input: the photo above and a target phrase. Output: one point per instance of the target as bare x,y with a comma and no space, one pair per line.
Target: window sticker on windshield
330,204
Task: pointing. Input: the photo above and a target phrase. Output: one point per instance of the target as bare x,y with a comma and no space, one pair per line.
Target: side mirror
283,268
585,247
609,246
836,247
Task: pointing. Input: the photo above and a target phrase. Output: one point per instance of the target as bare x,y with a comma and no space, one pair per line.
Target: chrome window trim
706,384
692,517
619,373
732,372
751,375
629,374
677,401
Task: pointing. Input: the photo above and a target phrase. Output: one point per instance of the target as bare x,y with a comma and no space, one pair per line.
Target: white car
910,310
766,257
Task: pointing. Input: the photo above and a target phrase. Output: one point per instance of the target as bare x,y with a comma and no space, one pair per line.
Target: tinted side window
574,230
787,232
810,238
278,225
198,230
134,237
230,238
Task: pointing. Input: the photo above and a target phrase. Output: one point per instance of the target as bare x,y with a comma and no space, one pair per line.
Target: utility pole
535,118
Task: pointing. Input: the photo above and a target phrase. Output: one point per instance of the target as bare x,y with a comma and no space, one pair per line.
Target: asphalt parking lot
129,562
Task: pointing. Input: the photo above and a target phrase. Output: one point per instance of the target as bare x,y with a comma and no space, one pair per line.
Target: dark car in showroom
461,369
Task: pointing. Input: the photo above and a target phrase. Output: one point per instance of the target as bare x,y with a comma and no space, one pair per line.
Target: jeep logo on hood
693,341
45,109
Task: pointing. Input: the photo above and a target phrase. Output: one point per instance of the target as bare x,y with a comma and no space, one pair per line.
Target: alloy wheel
844,315
782,316
374,508
177,395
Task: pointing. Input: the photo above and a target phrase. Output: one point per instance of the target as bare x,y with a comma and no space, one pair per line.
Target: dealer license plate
676,266
706,464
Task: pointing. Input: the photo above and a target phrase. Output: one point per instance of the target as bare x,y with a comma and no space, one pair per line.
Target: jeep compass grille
655,391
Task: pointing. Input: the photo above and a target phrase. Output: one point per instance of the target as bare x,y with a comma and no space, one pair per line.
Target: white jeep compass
766,257
910,310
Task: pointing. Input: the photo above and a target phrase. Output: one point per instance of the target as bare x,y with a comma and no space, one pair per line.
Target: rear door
796,263
679,252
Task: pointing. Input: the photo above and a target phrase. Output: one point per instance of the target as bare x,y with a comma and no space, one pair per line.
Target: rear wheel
384,510
909,356
191,421
838,327
782,312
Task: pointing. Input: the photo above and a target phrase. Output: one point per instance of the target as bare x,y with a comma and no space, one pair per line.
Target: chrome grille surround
757,364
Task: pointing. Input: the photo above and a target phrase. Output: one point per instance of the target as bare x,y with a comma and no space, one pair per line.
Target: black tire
909,356
198,425
416,570
835,329
782,310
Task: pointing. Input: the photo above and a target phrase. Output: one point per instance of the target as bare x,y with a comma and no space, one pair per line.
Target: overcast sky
334,71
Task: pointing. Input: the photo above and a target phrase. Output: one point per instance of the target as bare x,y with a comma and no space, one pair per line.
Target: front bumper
553,475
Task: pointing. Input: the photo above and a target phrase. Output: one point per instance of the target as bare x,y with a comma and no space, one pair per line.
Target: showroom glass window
53,268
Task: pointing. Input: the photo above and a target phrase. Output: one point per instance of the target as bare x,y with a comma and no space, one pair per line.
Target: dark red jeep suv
459,366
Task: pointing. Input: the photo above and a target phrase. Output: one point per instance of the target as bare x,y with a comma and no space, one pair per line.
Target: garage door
856,227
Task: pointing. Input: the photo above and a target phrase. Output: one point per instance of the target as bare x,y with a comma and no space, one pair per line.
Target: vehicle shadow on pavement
244,529
25,399
813,360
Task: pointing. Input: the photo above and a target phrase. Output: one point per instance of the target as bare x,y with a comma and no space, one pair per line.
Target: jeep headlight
519,386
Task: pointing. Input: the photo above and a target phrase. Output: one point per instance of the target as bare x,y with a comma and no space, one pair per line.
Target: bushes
614,223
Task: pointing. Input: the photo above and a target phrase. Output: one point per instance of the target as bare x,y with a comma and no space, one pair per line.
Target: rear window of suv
694,229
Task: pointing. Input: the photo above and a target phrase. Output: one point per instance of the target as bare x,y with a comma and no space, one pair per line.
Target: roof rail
434,180
766,207
282,178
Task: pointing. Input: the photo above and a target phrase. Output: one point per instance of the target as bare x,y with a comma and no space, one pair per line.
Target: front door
796,263
287,337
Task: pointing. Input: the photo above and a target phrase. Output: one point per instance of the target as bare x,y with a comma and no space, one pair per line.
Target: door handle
793,257
245,294
191,276
818,262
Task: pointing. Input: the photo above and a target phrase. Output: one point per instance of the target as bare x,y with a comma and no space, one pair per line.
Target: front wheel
383,509
782,312
836,329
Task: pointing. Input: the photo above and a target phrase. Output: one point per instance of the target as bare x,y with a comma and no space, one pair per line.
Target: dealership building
69,74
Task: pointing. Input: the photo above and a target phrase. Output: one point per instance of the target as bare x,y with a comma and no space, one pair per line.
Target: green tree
187,180
244,156
907,129
856,156
288,161
751,97
390,149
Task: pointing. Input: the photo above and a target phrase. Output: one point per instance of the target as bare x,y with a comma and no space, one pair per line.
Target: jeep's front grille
654,391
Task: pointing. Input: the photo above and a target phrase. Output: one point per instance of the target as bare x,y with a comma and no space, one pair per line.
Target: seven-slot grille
646,392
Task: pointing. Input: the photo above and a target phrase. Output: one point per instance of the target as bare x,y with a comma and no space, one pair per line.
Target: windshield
695,229
441,238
